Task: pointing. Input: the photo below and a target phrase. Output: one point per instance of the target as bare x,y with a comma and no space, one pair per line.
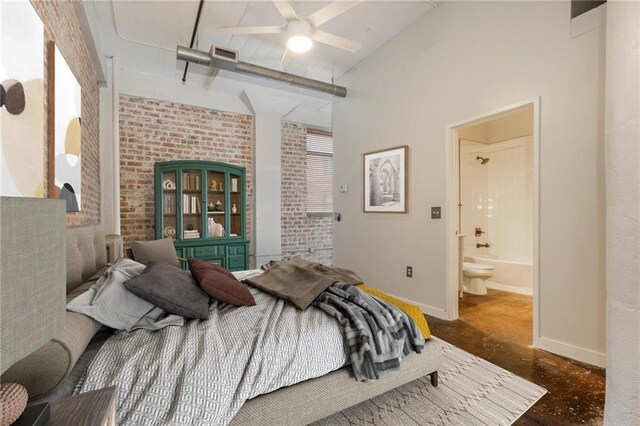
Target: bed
326,388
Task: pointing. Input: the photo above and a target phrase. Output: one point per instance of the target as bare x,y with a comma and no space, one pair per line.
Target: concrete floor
498,327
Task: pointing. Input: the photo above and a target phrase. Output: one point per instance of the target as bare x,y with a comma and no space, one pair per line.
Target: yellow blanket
412,310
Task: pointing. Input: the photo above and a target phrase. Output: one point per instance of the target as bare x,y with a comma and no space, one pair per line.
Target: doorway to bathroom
492,221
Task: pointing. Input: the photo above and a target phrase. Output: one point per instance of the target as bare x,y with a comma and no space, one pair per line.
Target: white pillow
111,304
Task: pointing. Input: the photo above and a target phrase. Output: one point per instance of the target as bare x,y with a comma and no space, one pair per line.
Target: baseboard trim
426,309
571,351
509,288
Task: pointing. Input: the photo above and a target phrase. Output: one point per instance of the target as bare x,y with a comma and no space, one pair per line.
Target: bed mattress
204,372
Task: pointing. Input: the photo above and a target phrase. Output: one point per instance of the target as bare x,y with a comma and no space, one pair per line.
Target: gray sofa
45,368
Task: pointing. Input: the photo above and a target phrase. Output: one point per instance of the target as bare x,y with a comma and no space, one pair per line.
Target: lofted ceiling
144,34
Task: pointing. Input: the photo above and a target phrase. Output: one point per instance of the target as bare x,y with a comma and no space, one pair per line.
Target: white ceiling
144,34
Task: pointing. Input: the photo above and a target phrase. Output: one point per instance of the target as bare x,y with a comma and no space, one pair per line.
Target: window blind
319,172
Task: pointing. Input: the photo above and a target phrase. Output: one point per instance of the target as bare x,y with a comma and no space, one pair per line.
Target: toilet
474,276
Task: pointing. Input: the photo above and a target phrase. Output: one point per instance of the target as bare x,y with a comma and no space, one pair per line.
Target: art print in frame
65,131
22,109
385,180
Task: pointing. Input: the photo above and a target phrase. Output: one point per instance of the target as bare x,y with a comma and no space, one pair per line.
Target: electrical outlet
410,271
436,212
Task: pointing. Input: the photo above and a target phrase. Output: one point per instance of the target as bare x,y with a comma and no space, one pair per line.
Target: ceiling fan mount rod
206,58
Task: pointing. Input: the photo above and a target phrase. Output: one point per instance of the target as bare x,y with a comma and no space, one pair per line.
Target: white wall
498,197
622,405
109,155
473,193
268,178
413,87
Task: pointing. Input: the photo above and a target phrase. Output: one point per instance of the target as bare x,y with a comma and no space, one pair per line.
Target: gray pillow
171,289
158,250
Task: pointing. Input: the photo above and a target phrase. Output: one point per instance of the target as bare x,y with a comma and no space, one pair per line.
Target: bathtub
514,277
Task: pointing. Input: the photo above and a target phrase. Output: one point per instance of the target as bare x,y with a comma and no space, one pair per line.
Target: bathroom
496,215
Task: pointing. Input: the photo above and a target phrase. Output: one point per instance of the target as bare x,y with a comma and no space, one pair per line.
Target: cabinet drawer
219,261
236,262
235,250
183,252
210,251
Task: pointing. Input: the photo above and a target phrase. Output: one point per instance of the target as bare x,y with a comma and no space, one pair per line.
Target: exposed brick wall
153,131
299,232
62,26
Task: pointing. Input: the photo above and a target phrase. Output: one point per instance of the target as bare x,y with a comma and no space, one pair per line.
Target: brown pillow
158,250
220,284
171,289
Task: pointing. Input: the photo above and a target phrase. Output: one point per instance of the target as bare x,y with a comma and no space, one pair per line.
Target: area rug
471,391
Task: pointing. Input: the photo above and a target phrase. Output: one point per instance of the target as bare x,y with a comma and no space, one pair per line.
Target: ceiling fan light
299,43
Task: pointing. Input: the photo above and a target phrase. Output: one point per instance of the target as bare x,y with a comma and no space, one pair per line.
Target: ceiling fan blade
336,41
250,30
286,10
330,11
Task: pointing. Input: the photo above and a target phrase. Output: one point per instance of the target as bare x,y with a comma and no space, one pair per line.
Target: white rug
471,391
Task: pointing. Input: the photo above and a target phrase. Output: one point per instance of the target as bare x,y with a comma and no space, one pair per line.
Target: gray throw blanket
299,281
378,334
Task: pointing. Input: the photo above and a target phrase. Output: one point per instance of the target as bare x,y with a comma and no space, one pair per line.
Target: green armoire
202,206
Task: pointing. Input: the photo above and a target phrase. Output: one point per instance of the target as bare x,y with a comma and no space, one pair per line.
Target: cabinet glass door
169,205
191,204
235,201
216,205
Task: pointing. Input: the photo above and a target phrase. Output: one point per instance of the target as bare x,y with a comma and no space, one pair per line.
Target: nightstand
96,408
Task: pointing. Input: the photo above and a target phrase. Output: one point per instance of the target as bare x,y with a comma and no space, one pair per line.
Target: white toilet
474,276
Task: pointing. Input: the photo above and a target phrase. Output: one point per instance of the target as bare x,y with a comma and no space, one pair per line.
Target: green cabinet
201,205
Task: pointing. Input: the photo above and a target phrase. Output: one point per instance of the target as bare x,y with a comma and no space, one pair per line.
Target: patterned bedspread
202,373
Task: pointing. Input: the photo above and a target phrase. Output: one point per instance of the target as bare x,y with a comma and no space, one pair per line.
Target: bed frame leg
434,379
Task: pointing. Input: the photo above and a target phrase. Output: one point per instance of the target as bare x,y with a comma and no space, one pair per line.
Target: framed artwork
65,131
21,100
385,180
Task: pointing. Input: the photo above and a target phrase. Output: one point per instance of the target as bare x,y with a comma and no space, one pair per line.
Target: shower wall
498,197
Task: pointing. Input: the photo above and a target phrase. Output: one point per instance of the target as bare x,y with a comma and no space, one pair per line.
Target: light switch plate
436,212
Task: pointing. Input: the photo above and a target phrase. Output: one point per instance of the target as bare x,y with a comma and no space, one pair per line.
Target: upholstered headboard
86,253
43,369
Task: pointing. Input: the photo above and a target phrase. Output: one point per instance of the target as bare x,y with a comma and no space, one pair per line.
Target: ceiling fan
302,32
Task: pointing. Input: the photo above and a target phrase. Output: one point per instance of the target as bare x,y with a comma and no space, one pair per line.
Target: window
319,173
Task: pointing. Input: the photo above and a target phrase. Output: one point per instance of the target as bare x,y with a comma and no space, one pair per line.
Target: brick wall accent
299,232
62,26
153,131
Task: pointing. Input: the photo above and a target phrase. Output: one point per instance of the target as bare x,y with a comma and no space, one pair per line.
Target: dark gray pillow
158,250
172,289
